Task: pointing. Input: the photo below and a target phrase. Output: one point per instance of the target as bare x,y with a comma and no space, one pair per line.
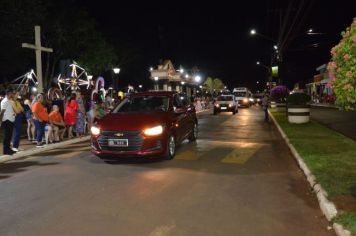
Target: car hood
132,121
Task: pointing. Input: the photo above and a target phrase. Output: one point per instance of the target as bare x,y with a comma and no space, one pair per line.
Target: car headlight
157,130
217,105
95,130
245,100
230,105
251,99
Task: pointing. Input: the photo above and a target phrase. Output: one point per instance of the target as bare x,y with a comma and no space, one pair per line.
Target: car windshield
143,104
225,98
240,94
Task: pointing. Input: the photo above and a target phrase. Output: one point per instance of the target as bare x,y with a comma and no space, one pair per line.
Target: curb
33,151
326,206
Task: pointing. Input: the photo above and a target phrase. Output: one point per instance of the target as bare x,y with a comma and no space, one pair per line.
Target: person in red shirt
57,126
40,118
70,114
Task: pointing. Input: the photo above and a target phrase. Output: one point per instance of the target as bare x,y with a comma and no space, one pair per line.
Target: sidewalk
30,148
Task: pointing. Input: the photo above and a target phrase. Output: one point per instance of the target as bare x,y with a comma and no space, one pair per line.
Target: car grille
134,138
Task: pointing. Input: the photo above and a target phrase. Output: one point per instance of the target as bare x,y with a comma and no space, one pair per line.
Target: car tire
171,147
194,135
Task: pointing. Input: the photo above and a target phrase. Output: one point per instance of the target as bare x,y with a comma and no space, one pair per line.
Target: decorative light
34,89
89,77
257,63
186,76
200,86
275,47
182,82
253,32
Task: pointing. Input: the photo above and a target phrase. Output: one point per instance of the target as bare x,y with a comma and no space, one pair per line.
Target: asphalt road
238,179
343,122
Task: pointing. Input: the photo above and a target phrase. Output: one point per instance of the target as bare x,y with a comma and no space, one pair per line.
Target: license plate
223,108
118,142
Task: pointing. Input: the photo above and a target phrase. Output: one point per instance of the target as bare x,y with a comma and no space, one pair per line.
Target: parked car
225,103
148,124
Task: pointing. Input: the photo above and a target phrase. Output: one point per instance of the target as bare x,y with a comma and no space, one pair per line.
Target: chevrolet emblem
119,134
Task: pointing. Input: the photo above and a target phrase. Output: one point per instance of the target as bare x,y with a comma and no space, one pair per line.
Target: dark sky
215,36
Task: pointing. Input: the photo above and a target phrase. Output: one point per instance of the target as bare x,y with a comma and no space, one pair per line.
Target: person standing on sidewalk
7,119
40,117
18,122
30,125
70,114
265,106
80,123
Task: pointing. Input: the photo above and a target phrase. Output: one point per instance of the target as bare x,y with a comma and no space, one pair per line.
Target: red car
148,124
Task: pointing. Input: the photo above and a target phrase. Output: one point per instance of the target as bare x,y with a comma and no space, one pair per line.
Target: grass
330,156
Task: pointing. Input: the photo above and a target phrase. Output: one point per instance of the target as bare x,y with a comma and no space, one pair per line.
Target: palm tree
211,84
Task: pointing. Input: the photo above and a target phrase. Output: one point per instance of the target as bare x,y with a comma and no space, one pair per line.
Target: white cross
38,48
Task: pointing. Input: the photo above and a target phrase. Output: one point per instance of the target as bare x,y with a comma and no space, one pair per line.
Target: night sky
215,36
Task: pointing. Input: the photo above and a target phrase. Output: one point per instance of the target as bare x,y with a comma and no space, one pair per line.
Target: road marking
188,155
241,155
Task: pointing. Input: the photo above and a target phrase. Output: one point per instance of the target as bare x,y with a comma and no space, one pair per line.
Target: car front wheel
194,134
171,147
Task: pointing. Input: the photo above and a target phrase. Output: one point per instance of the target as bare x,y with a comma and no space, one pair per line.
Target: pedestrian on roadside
70,114
7,119
40,119
57,126
90,113
18,122
265,102
30,125
80,122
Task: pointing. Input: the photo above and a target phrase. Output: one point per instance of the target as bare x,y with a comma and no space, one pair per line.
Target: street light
156,78
275,47
253,32
186,76
116,70
310,30
140,86
197,78
257,63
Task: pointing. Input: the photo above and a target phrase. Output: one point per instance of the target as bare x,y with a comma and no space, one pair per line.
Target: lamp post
116,72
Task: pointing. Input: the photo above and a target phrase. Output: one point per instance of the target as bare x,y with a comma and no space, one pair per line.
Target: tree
211,84
67,29
342,69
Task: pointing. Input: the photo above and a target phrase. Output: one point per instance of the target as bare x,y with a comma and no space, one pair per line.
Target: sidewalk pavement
30,149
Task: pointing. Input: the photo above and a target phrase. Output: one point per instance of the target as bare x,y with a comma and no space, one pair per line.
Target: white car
225,103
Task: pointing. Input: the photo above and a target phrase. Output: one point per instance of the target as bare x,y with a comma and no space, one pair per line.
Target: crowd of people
48,121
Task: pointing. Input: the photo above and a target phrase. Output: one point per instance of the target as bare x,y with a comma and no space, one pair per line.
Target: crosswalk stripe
241,155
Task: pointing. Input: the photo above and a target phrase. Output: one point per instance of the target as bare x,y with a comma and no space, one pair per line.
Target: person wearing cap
57,126
18,122
40,118
7,119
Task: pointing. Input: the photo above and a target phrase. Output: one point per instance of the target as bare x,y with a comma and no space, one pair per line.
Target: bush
298,99
342,69
279,93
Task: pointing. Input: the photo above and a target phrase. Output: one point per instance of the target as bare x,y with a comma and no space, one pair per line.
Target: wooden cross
38,49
